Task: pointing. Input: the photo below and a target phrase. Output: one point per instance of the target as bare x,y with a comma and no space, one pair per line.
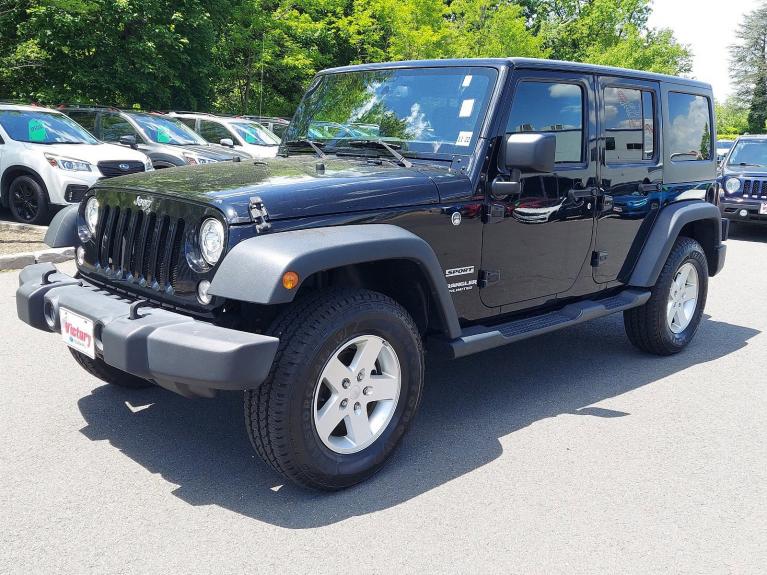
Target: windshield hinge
259,215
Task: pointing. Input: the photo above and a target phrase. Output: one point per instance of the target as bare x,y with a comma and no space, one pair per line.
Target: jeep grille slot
755,189
138,246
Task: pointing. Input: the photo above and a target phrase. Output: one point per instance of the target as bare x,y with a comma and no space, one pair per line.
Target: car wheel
105,372
670,318
345,384
28,201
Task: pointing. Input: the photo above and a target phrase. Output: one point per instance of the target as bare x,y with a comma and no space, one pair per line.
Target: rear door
535,243
631,171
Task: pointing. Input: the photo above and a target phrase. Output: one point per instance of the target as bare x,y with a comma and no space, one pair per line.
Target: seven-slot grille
111,169
143,247
755,188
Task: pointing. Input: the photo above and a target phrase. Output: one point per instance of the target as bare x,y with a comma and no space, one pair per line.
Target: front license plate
77,332
763,209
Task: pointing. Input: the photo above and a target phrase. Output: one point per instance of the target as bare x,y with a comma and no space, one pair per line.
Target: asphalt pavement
569,453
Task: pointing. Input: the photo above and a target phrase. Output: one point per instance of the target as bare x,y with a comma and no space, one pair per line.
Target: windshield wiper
746,164
381,145
316,146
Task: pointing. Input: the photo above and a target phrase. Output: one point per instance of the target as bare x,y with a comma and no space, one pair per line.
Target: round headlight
732,185
211,240
92,214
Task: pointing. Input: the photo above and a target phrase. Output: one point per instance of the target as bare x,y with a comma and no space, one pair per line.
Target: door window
213,131
689,136
113,126
86,119
629,125
188,121
551,108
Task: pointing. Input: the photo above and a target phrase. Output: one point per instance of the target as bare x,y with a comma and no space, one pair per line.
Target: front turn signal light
289,280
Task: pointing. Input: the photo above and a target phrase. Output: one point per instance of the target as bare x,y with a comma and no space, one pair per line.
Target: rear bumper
178,352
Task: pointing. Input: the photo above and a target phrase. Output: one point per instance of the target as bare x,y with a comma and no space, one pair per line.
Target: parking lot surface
569,453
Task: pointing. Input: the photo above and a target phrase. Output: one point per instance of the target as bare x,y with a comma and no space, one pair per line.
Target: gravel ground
569,453
15,240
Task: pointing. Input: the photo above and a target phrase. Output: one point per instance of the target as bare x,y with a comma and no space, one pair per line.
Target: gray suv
166,141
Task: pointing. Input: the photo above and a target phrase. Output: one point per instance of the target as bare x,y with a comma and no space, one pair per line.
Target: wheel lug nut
368,390
357,406
361,375
344,403
346,383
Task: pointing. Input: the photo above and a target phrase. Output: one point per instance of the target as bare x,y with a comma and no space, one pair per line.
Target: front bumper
179,353
732,211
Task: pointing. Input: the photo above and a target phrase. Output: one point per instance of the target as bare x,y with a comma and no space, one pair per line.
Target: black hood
296,186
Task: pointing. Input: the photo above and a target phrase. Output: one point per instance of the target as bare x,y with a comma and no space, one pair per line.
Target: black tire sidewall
311,454
693,254
40,195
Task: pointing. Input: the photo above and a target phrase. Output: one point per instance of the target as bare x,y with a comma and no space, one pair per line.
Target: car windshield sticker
467,106
250,137
466,81
464,138
163,136
36,131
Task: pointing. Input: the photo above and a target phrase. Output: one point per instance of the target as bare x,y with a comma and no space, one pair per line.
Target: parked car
722,147
743,181
165,140
315,282
239,133
47,159
276,126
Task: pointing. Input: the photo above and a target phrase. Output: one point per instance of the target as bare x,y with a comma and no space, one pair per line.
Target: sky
708,28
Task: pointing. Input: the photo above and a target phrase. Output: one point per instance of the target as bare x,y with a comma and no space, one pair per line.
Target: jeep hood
294,187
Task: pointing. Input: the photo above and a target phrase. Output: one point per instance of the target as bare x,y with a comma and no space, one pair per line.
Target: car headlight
194,159
92,214
732,185
68,164
211,240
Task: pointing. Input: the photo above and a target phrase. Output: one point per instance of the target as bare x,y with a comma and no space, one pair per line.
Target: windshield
421,110
43,128
724,144
163,130
749,153
253,133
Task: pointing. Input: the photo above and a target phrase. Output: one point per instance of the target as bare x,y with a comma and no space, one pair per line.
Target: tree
748,65
731,118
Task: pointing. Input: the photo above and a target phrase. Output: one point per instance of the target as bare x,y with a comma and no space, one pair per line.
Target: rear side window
188,121
629,125
689,133
550,108
86,119
113,126
213,131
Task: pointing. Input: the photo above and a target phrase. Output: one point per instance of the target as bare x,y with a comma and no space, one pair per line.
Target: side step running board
481,338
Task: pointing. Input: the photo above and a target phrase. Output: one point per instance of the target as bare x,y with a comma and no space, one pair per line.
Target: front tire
666,324
105,372
345,384
28,201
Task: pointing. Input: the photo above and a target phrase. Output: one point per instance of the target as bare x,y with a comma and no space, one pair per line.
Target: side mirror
524,153
129,141
228,142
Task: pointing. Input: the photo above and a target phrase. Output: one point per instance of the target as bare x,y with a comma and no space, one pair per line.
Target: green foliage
748,65
731,118
258,56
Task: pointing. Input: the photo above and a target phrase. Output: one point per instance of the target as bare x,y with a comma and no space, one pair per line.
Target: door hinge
487,277
598,258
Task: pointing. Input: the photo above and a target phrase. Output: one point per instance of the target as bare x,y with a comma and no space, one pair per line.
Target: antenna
261,91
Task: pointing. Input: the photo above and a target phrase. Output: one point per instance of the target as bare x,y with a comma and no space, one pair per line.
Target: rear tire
666,324
322,338
105,372
28,201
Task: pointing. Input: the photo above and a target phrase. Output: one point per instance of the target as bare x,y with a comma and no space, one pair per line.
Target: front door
631,172
535,242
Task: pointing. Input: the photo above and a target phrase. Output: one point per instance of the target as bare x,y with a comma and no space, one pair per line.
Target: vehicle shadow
468,405
748,232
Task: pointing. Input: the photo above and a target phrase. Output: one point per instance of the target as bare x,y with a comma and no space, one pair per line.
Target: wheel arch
700,221
13,172
380,257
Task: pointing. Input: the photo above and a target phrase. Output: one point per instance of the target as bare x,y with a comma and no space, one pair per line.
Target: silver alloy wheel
357,394
682,298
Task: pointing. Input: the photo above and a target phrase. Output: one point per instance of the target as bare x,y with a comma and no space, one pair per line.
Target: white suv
241,133
47,158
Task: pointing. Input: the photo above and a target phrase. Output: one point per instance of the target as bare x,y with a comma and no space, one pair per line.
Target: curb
21,260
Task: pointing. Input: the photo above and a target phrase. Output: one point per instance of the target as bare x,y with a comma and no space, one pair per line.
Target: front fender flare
62,231
252,271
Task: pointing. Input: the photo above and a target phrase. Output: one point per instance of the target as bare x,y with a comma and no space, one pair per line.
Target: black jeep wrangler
453,206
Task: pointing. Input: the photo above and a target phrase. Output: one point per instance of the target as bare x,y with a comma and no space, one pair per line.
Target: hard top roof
524,63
